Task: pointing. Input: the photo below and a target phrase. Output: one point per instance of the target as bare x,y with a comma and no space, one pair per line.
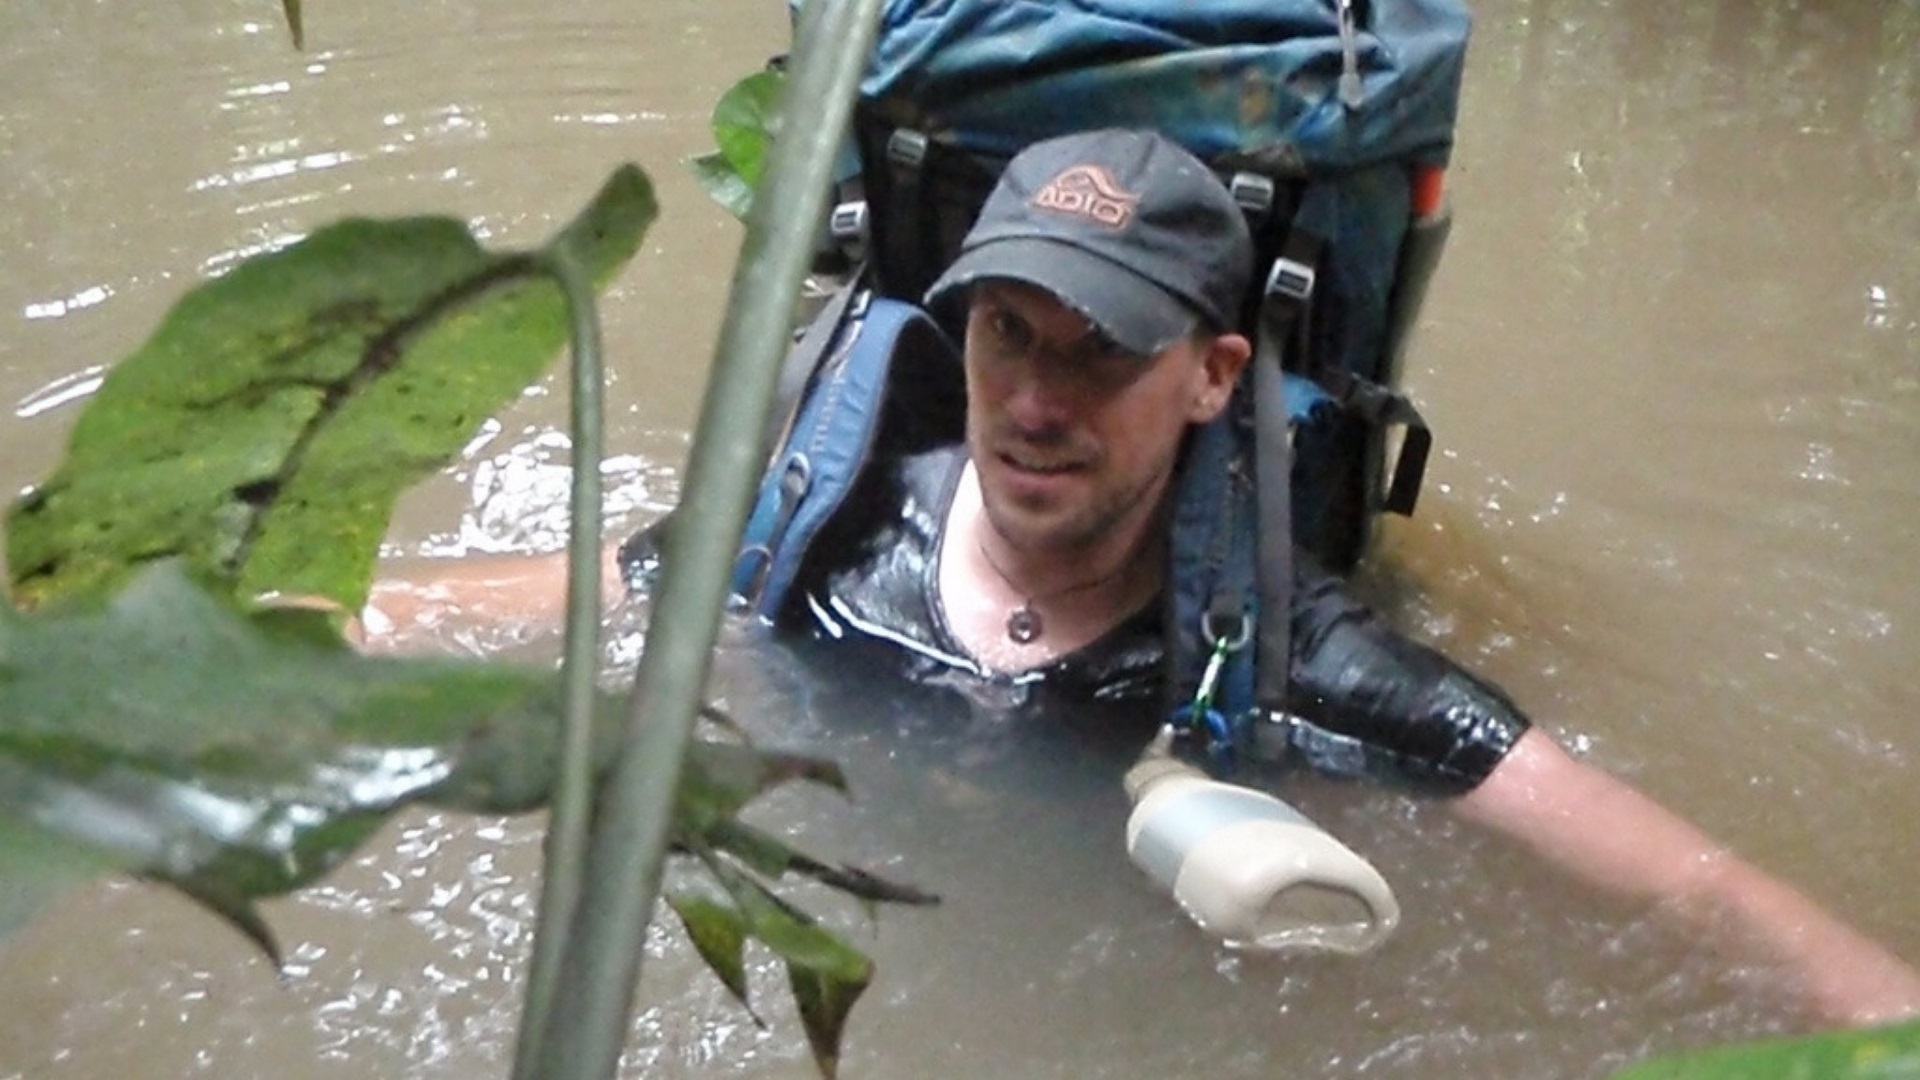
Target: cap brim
1139,315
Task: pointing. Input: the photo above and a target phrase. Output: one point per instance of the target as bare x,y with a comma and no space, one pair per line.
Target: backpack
1330,122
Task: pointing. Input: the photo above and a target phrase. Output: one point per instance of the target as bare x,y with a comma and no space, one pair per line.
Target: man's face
1074,439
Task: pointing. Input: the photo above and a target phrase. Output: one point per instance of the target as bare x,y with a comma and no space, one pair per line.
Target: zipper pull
1351,91
796,477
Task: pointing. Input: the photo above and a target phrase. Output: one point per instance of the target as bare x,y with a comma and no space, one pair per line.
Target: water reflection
67,388
1673,360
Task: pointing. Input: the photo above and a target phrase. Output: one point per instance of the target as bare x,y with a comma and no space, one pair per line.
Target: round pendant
1023,625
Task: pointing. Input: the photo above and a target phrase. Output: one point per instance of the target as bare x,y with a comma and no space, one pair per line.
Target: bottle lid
1157,763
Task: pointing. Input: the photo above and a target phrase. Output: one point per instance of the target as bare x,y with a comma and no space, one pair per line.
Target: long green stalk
587,1024
564,865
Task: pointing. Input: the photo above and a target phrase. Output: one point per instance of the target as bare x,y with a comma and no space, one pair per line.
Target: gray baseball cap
1125,227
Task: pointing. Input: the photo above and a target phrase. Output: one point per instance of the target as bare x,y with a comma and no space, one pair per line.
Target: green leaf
824,1002
720,934
239,756
1873,1054
772,858
720,778
723,184
826,974
745,121
239,761
265,430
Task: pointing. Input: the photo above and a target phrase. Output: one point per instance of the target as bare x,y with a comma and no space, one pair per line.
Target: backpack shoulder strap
803,361
830,440
1211,600
1229,639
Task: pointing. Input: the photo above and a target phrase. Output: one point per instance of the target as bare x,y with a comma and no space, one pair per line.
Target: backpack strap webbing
1232,551
909,213
923,195
1381,407
1282,334
1273,560
802,362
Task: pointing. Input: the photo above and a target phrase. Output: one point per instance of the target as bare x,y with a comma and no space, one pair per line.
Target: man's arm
492,590
1605,832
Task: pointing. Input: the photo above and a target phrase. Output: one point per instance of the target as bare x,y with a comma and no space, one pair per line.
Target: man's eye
1011,332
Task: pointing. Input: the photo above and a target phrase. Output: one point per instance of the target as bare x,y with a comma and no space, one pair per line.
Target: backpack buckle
907,149
1253,193
1291,280
848,221
847,228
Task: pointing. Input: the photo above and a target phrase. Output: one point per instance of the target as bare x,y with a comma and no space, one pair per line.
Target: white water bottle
1250,869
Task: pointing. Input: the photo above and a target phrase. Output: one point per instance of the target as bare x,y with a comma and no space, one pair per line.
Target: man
1099,287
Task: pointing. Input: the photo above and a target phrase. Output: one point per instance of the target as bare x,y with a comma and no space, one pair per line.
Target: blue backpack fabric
1335,106
1221,77
834,434
1322,116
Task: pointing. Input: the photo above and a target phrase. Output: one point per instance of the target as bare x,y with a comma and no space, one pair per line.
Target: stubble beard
1075,533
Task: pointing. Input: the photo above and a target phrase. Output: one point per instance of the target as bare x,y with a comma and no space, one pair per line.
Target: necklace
1024,625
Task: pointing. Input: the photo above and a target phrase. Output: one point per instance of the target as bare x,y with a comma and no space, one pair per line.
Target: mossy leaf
265,430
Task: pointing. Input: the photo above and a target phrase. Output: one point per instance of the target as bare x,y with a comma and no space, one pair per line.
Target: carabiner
1201,708
1234,642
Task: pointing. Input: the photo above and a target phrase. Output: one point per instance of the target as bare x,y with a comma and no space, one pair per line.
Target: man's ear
1225,357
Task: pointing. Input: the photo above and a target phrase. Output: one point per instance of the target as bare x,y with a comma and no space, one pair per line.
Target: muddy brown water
1673,364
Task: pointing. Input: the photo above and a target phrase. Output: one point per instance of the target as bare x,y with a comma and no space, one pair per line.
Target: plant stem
564,864
588,1021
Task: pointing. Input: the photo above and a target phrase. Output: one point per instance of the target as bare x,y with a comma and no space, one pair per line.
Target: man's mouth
1038,465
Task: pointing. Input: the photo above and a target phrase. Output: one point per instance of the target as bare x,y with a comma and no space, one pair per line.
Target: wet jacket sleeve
1367,700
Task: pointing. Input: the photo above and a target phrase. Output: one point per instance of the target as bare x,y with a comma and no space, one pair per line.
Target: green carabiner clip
1210,677
1201,711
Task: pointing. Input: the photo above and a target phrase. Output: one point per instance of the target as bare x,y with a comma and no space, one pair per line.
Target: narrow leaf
824,1003
292,8
770,857
720,934
720,778
826,974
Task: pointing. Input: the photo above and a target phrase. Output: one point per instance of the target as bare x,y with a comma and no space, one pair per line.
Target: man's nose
1041,395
